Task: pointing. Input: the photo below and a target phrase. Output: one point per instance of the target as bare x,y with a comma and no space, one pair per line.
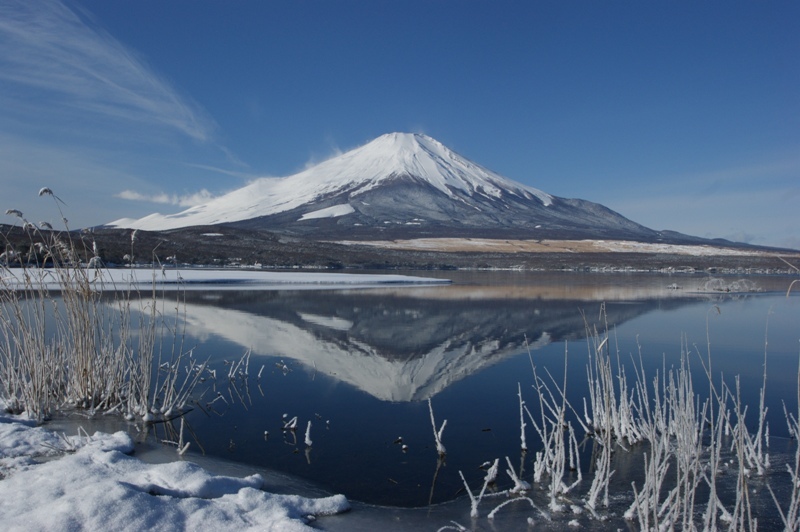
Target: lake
360,366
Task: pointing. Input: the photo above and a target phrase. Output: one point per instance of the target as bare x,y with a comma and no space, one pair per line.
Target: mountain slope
398,186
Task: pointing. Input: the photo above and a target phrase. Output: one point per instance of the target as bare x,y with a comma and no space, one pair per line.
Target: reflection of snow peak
330,322
351,360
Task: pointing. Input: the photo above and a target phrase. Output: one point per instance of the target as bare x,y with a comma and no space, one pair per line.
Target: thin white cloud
245,176
316,159
70,67
82,113
188,200
81,178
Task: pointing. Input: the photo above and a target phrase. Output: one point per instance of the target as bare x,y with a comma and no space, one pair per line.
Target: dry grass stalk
63,342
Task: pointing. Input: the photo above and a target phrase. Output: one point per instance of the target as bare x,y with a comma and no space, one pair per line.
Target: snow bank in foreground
96,486
122,279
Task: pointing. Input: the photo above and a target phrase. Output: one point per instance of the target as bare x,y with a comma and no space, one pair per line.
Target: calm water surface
361,365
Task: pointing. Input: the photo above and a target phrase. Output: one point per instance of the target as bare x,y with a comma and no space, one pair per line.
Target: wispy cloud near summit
188,200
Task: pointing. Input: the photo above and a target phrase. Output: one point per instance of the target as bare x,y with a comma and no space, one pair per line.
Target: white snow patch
329,212
124,222
95,486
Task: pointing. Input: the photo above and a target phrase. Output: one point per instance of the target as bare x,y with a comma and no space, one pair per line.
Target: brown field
473,245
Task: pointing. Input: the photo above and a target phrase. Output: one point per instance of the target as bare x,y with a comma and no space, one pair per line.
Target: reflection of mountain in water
395,346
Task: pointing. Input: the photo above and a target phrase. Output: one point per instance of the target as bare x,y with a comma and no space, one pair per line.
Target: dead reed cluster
701,453
69,340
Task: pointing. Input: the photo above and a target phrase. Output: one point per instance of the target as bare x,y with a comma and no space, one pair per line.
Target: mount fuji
404,185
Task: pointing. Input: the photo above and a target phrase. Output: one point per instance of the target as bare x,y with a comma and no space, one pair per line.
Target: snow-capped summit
401,185
409,154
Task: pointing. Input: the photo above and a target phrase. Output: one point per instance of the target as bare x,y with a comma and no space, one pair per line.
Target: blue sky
679,115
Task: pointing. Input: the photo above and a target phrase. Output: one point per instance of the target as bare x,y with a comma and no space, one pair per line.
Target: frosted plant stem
455,526
519,485
510,501
791,517
475,501
437,435
181,447
523,443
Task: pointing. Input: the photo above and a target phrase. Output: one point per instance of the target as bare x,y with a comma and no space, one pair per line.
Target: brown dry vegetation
484,245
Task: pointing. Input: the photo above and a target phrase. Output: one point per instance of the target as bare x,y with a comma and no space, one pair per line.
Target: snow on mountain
330,212
354,173
402,186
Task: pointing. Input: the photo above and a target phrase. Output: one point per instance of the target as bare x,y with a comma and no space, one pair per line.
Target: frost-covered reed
701,451
560,446
791,514
65,343
437,434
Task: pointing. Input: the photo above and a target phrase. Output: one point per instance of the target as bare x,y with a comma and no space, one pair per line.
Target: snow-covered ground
82,482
